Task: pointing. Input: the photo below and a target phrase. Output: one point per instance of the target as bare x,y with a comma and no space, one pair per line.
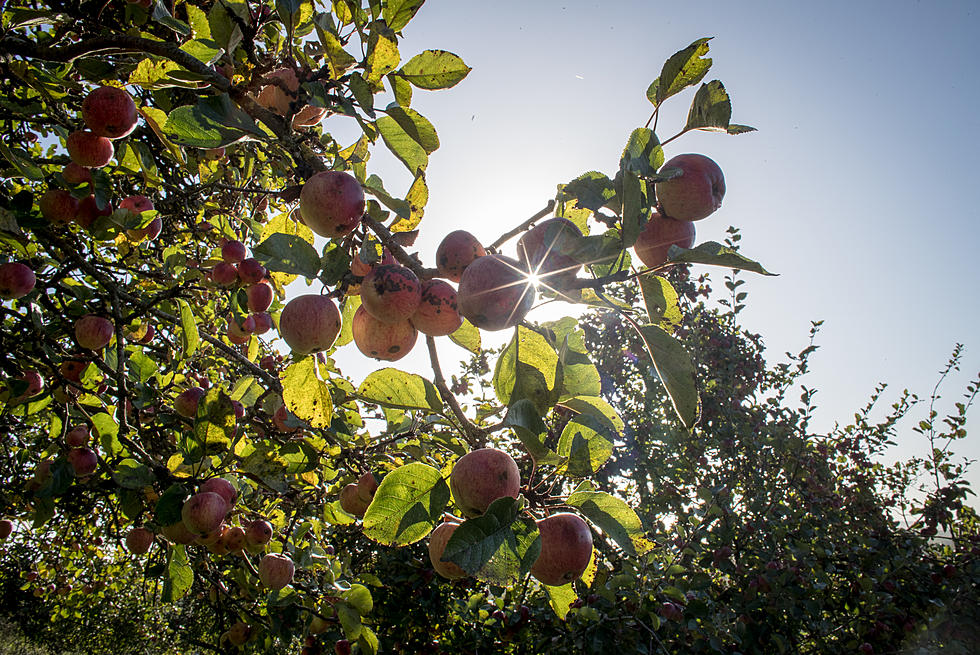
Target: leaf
288,253
382,55
676,370
390,387
499,547
130,474
636,207
359,597
215,425
715,254
591,190
711,108
642,154
683,69
162,16
21,161
189,337
434,69
306,395
180,575
416,126
408,504
401,89
561,598
614,517
204,50
467,336
587,443
739,129
397,13
351,303
524,419
528,368
168,507
214,122
661,299
402,145
416,199
580,377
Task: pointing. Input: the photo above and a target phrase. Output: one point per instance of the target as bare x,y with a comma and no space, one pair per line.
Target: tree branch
475,437
523,226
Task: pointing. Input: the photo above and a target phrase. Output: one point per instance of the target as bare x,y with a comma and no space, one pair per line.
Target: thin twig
474,435
523,226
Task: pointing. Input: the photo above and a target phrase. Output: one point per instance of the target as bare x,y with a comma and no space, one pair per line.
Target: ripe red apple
250,271
457,250
178,533
88,149
276,570
94,332
6,527
697,193
332,203
342,647
437,545
494,292
438,312
136,204
75,174
260,296
263,322
258,533
238,634
35,384
482,476
77,437
58,206
233,252
390,293
139,540
16,280
566,548
351,502
223,488
659,235
109,112
367,485
224,274
310,323
545,250
187,402
83,461
88,211
150,232
385,341
203,512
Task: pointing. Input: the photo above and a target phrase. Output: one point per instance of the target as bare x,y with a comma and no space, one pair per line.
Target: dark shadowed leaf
499,547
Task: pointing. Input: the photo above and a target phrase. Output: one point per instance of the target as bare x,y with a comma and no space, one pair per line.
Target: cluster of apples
482,476
356,496
237,268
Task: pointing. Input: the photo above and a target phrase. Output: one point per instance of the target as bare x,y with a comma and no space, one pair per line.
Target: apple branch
475,437
397,251
507,236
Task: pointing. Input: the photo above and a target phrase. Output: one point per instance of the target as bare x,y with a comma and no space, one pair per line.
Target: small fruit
77,437
187,402
260,296
35,384
342,647
239,633
545,250
109,112
310,323
696,193
88,149
233,539
203,512
75,174
367,485
223,488
566,548
390,293
16,280
94,332
495,293
438,311
58,206
276,571
178,533
233,252
83,461
263,322
88,211
139,540
457,250
482,476
224,274
437,545
384,341
659,235
250,271
258,533
332,203
351,502
6,528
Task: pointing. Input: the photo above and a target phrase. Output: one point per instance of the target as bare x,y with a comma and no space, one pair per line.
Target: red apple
16,280
58,206
223,488
390,293
6,527
310,323
139,540
546,249
77,437
109,112
239,633
495,293
233,539
258,533
250,271
88,211
224,274
367,484
260,296
482,476
351,502
83,461
276,571
438,312
384,341
75,174
263,322
187,402
566,548
94,332
697,193
332,203
203,512
659,235
233,252
88,149
178,533
437,545
457,250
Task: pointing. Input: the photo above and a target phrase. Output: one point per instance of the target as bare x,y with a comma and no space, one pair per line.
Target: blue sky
858,188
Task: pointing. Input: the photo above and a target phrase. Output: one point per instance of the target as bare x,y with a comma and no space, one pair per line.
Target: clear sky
858,188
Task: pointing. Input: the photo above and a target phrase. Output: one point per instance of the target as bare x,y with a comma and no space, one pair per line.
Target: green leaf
676,370
359,597
416,199
661,299
716,254
390,387
351,303
204,50
401,89
467,336
528,368
338,60
683,69
397,13
189,338
180,575
613,516
363,93
350,620
711,108
306,395
580,377
162,16
20,160
434,69
368,641
524,419
598,408
408,504
587,443
416,126
739,129
215,425
561,598
288,253
499,547
382,55
168,507
643,154
591,190
402,145
142,366
214,122
636,207
130,474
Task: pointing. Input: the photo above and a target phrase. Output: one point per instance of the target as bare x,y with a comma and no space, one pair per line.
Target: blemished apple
109,112
437,545
233,539
89,149
696,193
385,341
482,476
456,251
263,322
139,540
83,461
94,332
203,512
351,501
332,203
390,293
566,548
222,487
495,293
58,206
438,311
276,570
659,234
187,402
545,250
258,533
16,280
239,633
310,323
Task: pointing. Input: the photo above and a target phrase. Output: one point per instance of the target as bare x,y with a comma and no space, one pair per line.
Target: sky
858,188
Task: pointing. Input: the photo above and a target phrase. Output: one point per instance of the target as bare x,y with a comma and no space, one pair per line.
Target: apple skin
697,193
6,528
276,570
250,271
385,341
543,251
390,293
238,634
482,476
203,512
438,311
263,322
75,174
16,280
233,539
351,501
109,112
566,548
136,204
83,461
178,533
223,488
88,211
233,252
258,533
332,203
94,332
310,323
224,274
367,485
494,293
187,402
437,545
88,149
658,236
139,540
260,296
77,436
456,251
58,206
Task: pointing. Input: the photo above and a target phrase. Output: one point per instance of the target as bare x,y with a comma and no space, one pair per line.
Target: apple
83,461
211,538
223,488
136,204
545,251
203,512
77,437
696,193
224,274
139,540
659,234
390,293
276,570
495,293
88,211
75,174
342,647
367,485
233,252
566,548
35,384
351,501
239,333
438,312
250,271
58,206
310,323
16,280
89,149
6,527
109,112
482,476
263,322
94,332
318,625
187,402
260,296
258,533
149,232
456,251
384,341
238,634
332,203
437,544
233,539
